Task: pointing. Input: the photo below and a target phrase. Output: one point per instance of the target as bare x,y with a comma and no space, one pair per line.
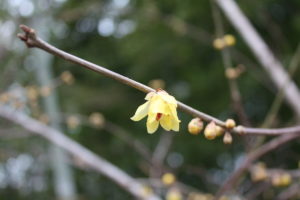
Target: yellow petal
157,105
152,125
167,98
175,124
141,112
166,122
150,95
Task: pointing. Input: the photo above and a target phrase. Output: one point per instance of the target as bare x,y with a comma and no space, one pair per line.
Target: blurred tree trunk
63,178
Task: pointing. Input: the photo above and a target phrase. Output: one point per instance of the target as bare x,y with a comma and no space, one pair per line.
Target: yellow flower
161,109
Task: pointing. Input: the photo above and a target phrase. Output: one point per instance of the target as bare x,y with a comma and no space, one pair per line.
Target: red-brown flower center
158,116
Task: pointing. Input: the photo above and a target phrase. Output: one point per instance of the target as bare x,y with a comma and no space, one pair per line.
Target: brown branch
31,40
227,63
262,53
160,152
289,193
86,156
273,144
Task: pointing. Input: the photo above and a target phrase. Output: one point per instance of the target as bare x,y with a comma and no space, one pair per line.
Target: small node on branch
240,130
29,36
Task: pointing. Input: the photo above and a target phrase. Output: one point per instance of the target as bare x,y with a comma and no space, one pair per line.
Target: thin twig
294,64
262,52
273,144
31,40
160,152
119,132
289,193
86,156
227,63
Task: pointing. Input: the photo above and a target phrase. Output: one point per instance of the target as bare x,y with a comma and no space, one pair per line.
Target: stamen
158,116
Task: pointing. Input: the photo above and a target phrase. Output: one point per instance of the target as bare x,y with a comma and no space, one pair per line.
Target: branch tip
29,36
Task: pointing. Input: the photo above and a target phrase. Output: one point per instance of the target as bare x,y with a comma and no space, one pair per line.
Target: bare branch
160,152
30,38
262,53
273,144
86,156
290,193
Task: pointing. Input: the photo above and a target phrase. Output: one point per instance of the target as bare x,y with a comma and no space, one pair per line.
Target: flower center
158,116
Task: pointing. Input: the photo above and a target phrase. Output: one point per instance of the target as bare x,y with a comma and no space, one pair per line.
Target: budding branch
31,40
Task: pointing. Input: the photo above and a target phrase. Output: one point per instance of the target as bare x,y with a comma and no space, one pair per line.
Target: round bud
230,123
210,131
195,126
67,77
97,120
168,178
258,172
227,139
219,130
276,179
219,43
286,179
231,73
174,194
73,122
45,91
32,93
229,40
146,191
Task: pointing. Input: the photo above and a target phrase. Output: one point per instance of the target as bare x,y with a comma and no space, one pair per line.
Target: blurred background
164,44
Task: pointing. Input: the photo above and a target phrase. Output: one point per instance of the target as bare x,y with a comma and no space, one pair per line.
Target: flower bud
219,44
195,126
259,172
45,91
67,77
97,120
281,179
32,93
168,178
230,123
231,73
73,122
146,191
174,194
219,130
229,40
210,131
227,139
286,179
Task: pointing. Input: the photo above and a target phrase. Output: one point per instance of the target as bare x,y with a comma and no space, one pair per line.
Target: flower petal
166,122
150,95
157,105
175,125
141,112
167,98
152,126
